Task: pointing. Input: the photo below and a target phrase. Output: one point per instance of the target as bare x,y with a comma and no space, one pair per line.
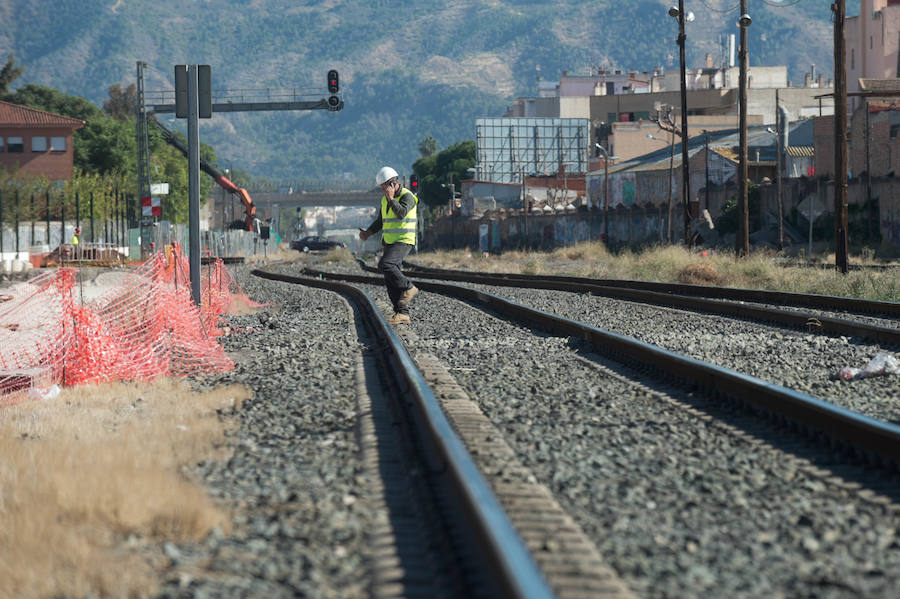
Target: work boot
407,297
399,319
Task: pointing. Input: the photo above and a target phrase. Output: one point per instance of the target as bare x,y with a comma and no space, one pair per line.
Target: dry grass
90,479
675,264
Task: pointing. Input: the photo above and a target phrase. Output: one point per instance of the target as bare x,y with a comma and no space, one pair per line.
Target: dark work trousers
389,265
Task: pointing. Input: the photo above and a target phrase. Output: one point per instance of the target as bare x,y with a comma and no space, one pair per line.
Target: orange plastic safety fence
144,326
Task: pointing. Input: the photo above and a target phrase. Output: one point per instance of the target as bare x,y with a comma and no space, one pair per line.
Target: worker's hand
363,234
389,192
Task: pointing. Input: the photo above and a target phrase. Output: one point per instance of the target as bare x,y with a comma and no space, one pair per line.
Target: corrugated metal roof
801,151
724,143
880,85
14,115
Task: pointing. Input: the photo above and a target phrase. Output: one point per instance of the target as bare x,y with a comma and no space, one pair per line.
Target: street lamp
605,191
777,134
742,243
678,13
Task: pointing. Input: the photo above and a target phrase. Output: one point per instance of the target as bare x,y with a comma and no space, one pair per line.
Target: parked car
315,243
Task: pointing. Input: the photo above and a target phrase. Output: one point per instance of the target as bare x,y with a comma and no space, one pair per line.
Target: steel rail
812,300
813,323
517,573
872,437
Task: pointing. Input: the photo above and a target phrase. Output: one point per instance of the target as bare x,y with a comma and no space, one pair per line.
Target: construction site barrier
143,326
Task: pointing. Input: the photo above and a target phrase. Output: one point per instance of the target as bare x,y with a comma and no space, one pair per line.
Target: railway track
469,367
493,557
750,304
827,302
878,441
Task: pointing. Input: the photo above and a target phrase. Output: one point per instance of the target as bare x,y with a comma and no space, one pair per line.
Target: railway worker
397,223
75,239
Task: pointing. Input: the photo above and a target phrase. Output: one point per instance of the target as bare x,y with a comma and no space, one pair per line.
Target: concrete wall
642,223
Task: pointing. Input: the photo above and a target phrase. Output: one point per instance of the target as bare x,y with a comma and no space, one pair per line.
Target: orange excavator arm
218,177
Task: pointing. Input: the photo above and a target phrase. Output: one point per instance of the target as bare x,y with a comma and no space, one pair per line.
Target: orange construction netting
143,326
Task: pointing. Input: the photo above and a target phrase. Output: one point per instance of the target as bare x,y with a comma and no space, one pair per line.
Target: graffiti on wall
569,231
621,190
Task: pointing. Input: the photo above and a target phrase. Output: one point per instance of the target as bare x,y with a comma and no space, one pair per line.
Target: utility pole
685,165
742,244
841,237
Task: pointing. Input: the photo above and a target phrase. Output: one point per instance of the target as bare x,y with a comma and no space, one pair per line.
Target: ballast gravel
679,504
294,476
794,359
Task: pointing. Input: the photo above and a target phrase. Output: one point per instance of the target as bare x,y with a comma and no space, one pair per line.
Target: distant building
35,143
622,107
872,45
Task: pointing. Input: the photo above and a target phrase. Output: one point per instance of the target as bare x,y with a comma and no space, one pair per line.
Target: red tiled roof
16,115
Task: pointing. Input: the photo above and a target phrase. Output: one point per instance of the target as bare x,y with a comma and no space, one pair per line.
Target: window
57,144
1,144
14,144
39,143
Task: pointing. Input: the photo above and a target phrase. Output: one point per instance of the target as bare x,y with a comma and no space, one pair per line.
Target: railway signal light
333,82
334,102
414,183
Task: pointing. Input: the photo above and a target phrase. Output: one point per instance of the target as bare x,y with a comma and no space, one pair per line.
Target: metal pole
841,237
811,202
47,197
62,220
706,135
868,179
742,247
524,213
194,181
606,198
17,226
32,219
685,164
669,195
93,237
779,133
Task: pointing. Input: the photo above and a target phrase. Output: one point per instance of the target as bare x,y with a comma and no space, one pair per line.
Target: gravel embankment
294,477
795,359
679,506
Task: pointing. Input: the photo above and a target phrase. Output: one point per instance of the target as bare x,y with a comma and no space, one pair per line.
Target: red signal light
332,82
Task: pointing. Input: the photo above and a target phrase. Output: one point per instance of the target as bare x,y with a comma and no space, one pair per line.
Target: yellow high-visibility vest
402,230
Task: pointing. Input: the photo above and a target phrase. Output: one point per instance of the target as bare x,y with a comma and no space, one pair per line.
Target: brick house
34,142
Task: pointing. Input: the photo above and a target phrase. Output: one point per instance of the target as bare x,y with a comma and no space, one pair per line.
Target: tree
437,171
8,74
121,102
105,145
51,100
428,146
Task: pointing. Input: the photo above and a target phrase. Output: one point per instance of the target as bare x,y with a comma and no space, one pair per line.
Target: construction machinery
218,177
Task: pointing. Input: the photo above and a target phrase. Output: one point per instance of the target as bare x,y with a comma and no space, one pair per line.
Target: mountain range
408,69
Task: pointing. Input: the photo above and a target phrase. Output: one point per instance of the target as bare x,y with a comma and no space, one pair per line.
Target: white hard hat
385,174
